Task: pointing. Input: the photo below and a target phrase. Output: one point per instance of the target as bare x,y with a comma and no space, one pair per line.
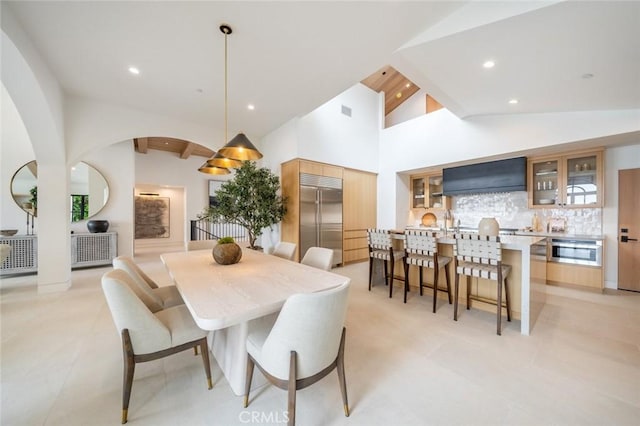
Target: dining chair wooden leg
195,351
386,273
128,370
420,268
499,303
455,298
292,389
447,275
468,292
247,380
204,350
341,376
370,271
406,280
507,297
391,278
435,289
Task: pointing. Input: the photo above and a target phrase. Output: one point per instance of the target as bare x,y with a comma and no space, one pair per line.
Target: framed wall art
151,217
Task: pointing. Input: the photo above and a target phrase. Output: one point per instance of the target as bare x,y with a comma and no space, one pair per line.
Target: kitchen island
527,278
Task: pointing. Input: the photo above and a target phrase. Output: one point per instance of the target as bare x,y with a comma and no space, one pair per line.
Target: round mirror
89,190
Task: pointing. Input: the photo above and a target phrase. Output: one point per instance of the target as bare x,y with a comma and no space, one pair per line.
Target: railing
204,229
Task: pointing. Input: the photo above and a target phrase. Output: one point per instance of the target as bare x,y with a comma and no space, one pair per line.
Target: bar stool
481,256
421,249
381,247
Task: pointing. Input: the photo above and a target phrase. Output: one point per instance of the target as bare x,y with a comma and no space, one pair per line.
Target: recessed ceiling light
399,95
513,101
251,107
407,85
134,70
489,64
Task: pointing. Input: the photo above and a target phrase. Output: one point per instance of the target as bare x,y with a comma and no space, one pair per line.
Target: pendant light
213,170
240,147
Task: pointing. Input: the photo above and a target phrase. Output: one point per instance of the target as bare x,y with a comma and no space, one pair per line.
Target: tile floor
61,364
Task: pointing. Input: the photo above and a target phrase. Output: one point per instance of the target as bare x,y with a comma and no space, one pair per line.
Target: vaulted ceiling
287,58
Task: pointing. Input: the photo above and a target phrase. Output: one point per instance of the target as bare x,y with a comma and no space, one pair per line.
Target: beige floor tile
61,363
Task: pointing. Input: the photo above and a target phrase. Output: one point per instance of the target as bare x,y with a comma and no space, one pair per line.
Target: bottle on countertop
535,223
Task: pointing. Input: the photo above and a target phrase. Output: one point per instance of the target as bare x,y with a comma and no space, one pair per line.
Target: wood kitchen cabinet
359,194
570,180
358,213
426,192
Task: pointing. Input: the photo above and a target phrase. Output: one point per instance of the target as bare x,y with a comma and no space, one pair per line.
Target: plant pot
97,226
488,226
227,254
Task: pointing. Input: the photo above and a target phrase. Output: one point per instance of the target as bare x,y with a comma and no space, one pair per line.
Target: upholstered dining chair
318,257
156,298
421,249
304,345
201,244
285,250
380,246
481,256
148,336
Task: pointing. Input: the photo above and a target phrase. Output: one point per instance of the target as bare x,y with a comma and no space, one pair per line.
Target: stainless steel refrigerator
321,214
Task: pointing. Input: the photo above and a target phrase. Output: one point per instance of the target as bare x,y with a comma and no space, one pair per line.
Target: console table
86,250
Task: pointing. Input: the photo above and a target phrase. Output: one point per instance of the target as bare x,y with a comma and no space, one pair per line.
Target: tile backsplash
511,211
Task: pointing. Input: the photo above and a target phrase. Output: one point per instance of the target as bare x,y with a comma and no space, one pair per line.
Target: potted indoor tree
250,200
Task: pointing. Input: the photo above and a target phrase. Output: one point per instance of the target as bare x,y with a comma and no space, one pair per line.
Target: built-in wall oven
579,252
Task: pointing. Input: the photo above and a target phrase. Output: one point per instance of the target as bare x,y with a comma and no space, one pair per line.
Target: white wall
116,164
619,158
15,152
328,136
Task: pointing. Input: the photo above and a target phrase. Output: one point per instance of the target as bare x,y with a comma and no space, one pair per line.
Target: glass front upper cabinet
568,181
426,192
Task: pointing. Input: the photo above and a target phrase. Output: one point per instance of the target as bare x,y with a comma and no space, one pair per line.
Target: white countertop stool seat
305,344
147,336
481,256
381,247
421,249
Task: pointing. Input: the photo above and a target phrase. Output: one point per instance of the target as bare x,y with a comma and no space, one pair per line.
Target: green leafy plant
226,240
250,200
34,196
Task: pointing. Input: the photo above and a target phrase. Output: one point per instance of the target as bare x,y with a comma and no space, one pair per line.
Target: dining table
229,300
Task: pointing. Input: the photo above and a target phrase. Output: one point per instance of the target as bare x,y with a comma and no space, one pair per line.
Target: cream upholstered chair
481,256
201,244
421,249
147,336
305,344
381,247
156,298
318,257
285,250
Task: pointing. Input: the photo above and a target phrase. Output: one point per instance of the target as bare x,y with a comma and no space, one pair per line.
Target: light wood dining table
228,299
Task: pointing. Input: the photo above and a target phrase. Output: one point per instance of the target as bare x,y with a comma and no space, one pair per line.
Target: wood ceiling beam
187,150
142,145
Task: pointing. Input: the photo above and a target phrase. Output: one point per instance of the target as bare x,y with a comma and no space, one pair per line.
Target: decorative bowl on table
97,226
226,252
8,232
